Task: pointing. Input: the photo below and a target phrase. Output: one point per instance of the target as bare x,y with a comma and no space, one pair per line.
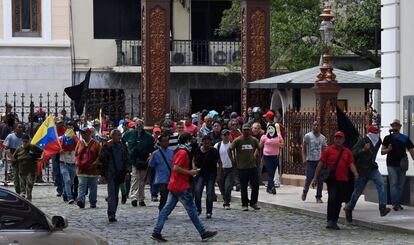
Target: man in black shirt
395,146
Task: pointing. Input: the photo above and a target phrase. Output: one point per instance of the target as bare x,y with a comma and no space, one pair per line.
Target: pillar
255,51
155,80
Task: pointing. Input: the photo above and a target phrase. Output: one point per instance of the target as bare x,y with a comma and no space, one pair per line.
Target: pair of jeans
113,199
186,199
68,171
226,184
310,173
396,177
57,176
337,191
360,184
91,183
271,163
163,188
208,181
246,176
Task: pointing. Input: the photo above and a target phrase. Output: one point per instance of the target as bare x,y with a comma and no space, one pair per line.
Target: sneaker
396,208
332,225
59,194
93,206
245,208
273,191
112,219
134,203
158,237
401,207
304,196
319,200
71,201
65,198
255,207
348,214
142,204
208,216
154,199
384,211
81,204
237,187
208,235
226,206
124,199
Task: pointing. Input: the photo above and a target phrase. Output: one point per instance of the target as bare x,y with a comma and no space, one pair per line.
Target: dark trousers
246,176
16,175
154,188
208,181
113,192
226,184
163,189
271,163
337,193
57,176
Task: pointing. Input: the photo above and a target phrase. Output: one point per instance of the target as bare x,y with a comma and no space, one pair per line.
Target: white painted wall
355,98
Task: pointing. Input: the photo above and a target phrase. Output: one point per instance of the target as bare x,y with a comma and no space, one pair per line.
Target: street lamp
327,29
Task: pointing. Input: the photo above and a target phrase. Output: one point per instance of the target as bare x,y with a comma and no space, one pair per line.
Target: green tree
295,37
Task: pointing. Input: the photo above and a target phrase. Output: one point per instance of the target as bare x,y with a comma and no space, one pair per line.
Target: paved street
267,226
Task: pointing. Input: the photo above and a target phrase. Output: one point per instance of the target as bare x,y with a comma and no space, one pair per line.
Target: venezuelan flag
69,140
46,138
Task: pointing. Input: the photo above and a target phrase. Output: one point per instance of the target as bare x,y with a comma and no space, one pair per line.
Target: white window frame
46,21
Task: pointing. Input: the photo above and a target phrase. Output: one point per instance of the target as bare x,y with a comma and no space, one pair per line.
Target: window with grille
26,18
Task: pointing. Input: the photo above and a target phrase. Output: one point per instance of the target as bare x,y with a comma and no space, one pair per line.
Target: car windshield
18,214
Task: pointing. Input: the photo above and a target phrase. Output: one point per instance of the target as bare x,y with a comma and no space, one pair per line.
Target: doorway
215,99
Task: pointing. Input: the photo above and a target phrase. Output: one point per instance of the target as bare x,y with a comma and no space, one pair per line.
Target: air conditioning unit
181,54
224,53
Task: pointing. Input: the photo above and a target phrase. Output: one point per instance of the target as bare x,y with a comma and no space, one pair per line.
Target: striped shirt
172,143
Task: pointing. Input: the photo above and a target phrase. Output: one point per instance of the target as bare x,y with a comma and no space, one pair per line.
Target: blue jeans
208,181
57,176
226,184
271,163
186,199
396,178
92,184
310,173
360,184
68,172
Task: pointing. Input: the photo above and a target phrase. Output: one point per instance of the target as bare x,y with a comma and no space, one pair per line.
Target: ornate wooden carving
159,66
258,45
244,61
155,59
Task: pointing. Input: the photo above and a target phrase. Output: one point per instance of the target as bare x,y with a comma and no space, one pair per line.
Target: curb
356,222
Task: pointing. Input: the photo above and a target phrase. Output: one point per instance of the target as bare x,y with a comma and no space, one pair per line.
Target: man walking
140,145
395,146
12,142
180,190
114,159
161,164
86,156
313,144
226,173
245,148
338,159
365,152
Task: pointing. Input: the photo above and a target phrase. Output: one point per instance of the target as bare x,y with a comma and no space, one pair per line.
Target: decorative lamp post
326,87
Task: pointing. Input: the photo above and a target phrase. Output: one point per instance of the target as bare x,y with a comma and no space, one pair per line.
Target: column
155,81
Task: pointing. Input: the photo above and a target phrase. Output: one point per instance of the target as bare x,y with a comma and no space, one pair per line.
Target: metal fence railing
184,53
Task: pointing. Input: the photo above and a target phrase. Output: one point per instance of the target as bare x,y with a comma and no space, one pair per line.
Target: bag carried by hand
404,163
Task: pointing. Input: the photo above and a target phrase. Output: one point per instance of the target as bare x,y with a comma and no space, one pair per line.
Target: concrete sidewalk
365,213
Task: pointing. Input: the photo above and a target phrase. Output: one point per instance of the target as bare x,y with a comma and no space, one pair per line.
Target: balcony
184,53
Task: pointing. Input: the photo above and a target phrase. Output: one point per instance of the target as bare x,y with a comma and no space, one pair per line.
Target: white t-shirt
224,156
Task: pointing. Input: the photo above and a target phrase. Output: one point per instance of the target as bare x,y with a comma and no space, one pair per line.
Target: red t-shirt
234,134
329,156
191,129
180,182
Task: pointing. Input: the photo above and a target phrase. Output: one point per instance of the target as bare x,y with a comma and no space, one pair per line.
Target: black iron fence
184,53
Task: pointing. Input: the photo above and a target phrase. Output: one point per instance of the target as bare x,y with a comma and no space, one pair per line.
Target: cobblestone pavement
266,226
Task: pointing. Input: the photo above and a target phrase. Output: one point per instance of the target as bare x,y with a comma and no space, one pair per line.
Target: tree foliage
295,37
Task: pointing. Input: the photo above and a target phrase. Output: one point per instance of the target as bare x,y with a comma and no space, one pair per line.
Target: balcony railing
184,53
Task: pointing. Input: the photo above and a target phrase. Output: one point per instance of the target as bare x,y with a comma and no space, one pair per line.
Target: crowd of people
178,159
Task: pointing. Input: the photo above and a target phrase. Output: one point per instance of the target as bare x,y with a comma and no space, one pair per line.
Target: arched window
26,18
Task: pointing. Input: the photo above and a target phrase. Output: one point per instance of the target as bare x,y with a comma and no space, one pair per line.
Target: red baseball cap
156,130
269,115
340,134
131,125
373,129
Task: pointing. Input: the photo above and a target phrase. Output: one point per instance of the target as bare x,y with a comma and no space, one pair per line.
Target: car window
18,214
